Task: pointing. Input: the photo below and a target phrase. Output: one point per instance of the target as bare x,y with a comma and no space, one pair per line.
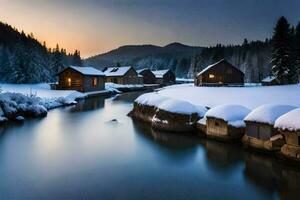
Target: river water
94,151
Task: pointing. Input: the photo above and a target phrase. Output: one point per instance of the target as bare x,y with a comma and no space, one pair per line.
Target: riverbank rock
167,114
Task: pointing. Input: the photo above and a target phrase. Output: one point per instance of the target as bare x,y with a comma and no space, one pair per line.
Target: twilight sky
97,26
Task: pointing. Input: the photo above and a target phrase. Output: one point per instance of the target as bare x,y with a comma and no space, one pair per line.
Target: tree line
23,59
286,52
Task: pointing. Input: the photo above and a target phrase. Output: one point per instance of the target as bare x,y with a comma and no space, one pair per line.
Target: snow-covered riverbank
250,97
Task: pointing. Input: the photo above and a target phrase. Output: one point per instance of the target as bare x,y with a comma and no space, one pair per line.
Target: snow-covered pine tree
282,59
76,58
296,43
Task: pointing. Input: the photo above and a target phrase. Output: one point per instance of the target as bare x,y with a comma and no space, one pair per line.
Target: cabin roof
160,73
269,79
117,71
89,71
289,121
268,113
141,70
215,64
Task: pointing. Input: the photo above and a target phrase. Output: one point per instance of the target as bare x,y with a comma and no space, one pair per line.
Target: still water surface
80,153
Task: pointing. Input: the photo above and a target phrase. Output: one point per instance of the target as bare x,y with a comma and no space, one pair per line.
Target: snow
268,113
202,121
160,73
269,79
289,121
182,107
20,118
229,112
117,71
88,71
150,99
250,97
237,123
3,119
113,87
170,104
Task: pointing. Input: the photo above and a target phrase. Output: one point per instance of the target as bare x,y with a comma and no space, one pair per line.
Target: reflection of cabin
220,73
165,77
289,126
270,80
121,75
83,79
148,76
225,122
260,132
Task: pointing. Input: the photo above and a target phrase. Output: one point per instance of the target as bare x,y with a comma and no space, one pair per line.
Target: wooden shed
289,126
82,79
260,131
121,75
148,76
220,73
165,77
225,122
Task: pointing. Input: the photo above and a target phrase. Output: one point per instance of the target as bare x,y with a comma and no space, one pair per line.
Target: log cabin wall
131,77
148,77
292,138
216,127
70,79
260,131
221,74
169,78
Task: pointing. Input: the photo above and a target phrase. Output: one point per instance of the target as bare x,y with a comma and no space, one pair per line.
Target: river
94,151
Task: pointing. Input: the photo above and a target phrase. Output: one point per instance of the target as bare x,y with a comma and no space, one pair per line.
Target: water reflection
103,154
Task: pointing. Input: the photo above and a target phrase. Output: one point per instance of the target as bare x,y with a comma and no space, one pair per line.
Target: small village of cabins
263,128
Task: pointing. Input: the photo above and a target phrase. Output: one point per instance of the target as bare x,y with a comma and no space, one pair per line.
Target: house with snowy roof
260,131
220,73
164,77
82,79
148,76
289,125
122,75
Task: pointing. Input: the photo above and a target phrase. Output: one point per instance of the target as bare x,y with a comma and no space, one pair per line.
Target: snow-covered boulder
3,119
230,113
289,121
268,113
167,114
177,116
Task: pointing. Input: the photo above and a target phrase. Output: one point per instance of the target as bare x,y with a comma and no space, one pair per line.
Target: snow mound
228,112
150,99
181,107
289,121
268,113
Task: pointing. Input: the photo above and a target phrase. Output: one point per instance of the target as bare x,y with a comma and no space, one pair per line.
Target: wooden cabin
260,131
225,122
82,79
148,76
289,126
269,81
220,73
121,75
165,77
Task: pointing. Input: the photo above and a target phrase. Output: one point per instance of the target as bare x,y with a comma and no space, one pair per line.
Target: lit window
69,81
95,81
211,76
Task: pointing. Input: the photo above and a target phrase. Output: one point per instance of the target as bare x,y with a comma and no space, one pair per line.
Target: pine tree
296,43
282,52
56,61
76,58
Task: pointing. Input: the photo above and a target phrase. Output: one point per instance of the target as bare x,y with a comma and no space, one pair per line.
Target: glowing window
211,76
95,81
69,82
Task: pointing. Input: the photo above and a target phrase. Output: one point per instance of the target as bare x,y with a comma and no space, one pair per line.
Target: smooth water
80,152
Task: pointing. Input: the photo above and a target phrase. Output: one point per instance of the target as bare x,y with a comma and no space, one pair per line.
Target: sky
97,26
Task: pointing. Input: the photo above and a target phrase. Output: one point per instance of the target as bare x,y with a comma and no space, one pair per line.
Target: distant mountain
176,56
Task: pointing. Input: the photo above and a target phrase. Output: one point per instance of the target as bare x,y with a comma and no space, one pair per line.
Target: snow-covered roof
268,113
289,121
269,79
90,71
117,71
150,99
213,65
141,70
160,73
228,112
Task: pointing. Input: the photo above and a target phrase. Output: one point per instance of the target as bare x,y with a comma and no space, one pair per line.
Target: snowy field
250,97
